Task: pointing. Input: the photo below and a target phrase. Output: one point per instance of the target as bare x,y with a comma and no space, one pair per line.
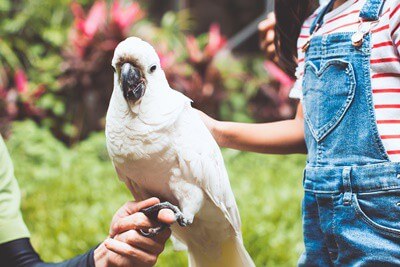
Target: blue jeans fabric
351,207
351,216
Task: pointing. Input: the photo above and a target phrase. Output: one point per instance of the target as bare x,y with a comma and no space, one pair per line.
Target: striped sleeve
394,24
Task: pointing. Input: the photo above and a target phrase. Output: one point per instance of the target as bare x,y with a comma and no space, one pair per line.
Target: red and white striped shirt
385,63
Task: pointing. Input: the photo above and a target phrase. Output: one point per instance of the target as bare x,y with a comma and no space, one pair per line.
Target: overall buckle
363,29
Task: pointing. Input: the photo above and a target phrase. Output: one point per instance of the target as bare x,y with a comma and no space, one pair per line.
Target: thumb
166,216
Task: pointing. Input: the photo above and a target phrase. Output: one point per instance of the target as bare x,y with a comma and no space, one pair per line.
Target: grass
70,195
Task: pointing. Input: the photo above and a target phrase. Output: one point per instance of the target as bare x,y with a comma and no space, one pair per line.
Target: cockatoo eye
152,69
114,70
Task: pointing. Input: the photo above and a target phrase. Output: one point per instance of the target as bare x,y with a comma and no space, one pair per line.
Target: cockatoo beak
132,82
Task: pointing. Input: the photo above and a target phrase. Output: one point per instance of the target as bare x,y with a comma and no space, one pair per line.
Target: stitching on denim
321,191
319,217
320,133
316,51
342,111
367,191
347,185
314,71
377,191
328,64
372,116
320,153
320,224
334,221
335,52
372,9
380,228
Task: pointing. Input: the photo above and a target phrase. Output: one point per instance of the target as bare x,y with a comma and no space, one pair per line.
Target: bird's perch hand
266,30
126,246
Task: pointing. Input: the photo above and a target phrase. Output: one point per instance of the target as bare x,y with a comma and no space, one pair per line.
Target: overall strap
320,17
372,10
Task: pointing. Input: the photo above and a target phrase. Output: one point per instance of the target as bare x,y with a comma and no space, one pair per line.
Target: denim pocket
380,210
327,94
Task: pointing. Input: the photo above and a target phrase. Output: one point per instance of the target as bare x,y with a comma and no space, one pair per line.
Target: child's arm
283,137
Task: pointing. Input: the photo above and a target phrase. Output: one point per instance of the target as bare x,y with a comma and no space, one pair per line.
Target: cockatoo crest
141,52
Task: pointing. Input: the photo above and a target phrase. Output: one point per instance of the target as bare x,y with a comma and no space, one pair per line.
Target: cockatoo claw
153,231
152,213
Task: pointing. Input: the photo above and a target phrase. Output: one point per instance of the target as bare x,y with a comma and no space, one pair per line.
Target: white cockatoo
161,148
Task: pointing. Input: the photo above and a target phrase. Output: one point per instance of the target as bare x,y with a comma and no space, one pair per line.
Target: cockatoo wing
200,159
133,188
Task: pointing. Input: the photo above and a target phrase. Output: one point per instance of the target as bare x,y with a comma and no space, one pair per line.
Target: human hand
266,30
126,246
213,126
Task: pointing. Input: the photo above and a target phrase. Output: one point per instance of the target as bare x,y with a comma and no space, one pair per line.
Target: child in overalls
349,116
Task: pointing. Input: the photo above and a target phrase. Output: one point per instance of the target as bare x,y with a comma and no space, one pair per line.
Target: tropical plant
194,72
60,75
31,35
271,101
86,82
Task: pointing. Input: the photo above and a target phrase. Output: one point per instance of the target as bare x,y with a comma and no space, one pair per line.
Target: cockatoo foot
152,213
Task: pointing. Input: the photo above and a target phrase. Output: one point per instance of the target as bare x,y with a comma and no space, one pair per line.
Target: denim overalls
351,207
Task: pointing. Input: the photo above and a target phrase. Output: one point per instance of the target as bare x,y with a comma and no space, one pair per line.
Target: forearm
20,253
283,137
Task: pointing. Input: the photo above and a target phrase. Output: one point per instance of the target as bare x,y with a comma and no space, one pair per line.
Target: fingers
138,241
132,219
267,36
270,37
137,247
268,23
269,44
132,207
166,216
131,222
124,249
162,237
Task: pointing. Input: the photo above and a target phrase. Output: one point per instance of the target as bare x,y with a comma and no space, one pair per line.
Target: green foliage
32,33
66,79
234,71
70,195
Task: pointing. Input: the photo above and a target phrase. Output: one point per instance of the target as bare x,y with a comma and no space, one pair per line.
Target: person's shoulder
305,28
312,17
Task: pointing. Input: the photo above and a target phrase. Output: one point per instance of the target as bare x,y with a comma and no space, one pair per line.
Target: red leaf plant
124,18
197,76
272,101
215,43
87,80
17,100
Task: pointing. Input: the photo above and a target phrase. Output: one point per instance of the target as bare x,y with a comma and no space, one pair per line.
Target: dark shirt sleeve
20,253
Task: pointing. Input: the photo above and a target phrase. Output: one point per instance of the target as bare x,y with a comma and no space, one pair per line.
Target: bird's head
136,66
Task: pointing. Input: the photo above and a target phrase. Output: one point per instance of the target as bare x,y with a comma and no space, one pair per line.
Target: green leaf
7,54
5,5
55,37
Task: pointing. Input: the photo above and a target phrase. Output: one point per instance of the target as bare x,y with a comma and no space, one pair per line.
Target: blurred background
55,85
